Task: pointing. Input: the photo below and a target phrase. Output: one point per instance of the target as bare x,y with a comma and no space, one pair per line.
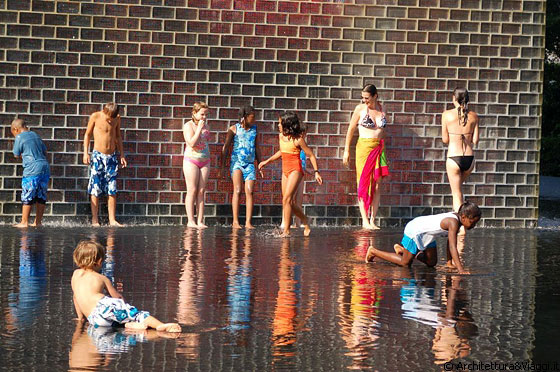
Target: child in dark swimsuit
291,142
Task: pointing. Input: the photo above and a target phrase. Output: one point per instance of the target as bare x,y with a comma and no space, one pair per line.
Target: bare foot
285,234
95,223
169,327
201,225
249,226
398,249
450,265
35,224
135,325
370,255
375,227
115,223
366,226
236,225
192,224
306,230
21,225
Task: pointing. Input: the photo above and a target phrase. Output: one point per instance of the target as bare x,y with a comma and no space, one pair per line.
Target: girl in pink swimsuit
196,163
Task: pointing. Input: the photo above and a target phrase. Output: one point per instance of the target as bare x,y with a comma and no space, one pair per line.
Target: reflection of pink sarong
374,168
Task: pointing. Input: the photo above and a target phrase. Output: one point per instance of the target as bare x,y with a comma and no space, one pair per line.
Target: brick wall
61,60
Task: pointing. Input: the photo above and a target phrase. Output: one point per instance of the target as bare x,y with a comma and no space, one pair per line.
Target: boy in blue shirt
36,173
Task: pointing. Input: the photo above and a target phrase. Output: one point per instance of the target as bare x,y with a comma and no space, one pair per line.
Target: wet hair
111,109
245,111
291,126
88,253
197,107
371,89
462,97
470,210
18,124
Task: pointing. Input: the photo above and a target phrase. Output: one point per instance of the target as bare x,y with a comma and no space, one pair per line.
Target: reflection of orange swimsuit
290,157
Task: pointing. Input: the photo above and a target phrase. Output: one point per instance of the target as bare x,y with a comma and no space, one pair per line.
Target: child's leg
249,185
25,213
152,322
284,182
237,178
94,210
192,175
204,172
428,256
375,203
298,197
112,207
402,260
39,211
292,183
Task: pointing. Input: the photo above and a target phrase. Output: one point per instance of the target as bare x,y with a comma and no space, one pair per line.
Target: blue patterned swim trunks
103,174
34,189
111,311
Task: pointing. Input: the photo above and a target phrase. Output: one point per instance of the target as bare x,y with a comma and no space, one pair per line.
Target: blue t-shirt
29,146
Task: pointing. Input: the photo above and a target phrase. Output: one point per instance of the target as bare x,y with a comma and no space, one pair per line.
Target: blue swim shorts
248,170
410,245
103,174
34,189
111,311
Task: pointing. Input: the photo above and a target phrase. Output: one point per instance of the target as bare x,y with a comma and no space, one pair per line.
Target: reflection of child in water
32,280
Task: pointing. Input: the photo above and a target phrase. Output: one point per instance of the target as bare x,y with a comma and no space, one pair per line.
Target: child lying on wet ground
91,302
419,240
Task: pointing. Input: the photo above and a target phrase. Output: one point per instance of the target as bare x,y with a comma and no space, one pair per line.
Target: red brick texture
59,61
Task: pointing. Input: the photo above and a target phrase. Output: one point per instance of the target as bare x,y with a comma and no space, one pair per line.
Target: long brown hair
462,97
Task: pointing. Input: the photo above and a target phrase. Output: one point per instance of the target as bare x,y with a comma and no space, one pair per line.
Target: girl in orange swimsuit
291,142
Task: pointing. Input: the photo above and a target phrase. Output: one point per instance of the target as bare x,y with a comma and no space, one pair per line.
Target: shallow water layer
253,301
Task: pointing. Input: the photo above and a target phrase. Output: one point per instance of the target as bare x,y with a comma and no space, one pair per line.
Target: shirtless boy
104,160
91,302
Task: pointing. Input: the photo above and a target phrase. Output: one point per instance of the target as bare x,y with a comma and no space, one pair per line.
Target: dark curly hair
291,126
245,111
469,210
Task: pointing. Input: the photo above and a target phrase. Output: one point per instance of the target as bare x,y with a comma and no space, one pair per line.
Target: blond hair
111,109
88,253
197,107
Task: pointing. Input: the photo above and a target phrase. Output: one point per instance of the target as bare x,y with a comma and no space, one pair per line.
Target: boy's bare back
88,286
105,132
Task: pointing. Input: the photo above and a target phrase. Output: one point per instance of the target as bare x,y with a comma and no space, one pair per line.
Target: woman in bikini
292,140
371,162
196,163
459,129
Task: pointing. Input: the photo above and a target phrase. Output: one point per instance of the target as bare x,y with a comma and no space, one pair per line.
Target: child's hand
86,159
261,173
318,178
124,163
262,164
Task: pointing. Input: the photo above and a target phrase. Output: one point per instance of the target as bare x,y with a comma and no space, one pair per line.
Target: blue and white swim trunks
111,311
34,189
103,174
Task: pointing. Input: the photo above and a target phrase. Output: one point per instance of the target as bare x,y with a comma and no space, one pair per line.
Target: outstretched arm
274,157
120,147
79,312
112,291
227,145
452,227
444,131
87,137
475,132
350,134
301,143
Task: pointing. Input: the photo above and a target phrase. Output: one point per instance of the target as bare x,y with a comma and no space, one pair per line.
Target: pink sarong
375,167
